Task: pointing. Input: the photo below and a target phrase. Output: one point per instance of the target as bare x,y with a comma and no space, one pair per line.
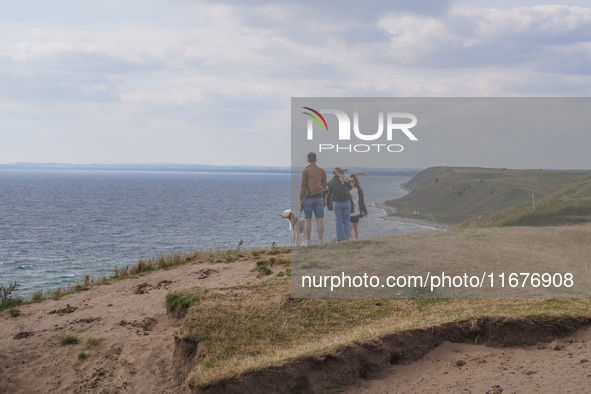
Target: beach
391,215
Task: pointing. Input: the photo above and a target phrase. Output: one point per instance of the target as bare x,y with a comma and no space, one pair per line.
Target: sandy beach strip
391,215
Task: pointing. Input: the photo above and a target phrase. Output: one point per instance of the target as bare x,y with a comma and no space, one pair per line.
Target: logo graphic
315,118
392,120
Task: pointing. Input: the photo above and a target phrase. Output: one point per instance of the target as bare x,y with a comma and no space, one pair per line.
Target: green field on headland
452,195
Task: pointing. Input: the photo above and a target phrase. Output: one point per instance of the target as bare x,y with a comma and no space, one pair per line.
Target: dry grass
260,326
251,327
455,252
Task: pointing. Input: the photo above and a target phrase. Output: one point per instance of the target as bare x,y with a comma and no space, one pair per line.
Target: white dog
296,226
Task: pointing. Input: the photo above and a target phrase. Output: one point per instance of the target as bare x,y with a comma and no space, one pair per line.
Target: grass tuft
263,267
179,301
37,296
69,340
14,312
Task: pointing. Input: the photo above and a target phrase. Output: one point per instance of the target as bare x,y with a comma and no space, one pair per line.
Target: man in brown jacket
313,198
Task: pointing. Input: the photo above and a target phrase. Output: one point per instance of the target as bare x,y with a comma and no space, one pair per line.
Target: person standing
358,208
313,198
338,189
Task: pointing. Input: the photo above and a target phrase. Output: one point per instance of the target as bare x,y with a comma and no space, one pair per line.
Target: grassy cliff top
454,194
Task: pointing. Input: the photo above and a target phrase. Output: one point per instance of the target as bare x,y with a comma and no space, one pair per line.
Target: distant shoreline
145,167
170,167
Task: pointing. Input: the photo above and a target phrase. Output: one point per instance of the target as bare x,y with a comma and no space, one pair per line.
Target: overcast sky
203,82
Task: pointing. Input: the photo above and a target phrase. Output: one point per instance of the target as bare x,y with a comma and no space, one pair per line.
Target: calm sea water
58,226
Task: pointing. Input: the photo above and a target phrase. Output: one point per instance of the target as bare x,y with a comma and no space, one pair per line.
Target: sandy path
561,367
134,353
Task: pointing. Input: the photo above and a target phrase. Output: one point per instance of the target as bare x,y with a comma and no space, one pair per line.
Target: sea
57,226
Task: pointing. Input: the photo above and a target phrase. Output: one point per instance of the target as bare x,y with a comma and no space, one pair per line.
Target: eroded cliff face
343,368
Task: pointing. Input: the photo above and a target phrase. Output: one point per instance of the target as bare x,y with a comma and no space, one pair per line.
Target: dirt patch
205,273
144,325
64,311
142,288
343,369
23,334
89,320
165,284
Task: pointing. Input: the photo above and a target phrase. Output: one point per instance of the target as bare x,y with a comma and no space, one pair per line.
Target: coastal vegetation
9,297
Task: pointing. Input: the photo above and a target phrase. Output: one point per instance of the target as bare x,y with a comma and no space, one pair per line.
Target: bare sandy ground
135,346
560,367
128,317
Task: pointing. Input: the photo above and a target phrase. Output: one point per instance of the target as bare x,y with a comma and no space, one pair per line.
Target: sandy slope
134,353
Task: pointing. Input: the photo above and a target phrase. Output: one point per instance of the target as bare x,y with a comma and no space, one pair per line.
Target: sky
203,82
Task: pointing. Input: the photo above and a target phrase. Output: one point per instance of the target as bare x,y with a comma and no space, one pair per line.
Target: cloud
474,37
202,70
231,56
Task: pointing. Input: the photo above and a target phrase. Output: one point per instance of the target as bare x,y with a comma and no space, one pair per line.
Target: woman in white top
358,209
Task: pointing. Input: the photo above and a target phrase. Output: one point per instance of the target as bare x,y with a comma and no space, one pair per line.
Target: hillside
454,194
568,205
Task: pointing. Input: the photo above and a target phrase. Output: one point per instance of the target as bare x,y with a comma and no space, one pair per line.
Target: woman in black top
358,209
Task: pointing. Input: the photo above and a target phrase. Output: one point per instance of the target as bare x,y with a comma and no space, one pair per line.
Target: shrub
7,297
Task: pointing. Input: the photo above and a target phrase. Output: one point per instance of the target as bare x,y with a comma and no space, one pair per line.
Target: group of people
341,194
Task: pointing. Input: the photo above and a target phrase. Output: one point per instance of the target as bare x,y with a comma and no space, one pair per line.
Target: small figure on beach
313,198
358,208
338,190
